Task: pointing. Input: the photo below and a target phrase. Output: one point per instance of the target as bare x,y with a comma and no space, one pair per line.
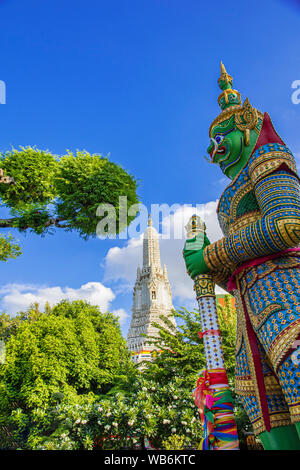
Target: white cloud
17,297
121,314
121,263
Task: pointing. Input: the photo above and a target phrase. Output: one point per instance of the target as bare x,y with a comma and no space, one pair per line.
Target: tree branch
13,223
6,223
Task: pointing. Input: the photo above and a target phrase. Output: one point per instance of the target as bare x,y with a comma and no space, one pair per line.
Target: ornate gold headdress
246,117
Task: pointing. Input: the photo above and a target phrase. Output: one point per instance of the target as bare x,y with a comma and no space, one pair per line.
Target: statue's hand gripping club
194,247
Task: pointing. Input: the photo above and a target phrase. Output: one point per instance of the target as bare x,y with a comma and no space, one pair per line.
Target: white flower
144,388
175,397
100,409
194,419
84,421
108,414
77,421
115,424
131,422
184,423
188,430
166,421
107,426
173,430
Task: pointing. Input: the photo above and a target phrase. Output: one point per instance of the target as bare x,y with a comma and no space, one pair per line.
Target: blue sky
136,79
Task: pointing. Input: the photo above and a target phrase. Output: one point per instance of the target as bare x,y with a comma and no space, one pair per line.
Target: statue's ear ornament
246,117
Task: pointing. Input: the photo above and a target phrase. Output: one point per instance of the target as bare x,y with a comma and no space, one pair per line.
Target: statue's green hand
193,255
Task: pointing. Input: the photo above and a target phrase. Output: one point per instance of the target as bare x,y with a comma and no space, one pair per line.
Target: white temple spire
151,297
151,254
165,272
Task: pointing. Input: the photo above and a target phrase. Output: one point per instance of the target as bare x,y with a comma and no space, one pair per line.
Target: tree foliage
49,192
33,172
83,182
181,353
69,354
8,249
68,383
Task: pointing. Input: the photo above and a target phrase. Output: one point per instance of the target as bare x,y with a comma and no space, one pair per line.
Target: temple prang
152,297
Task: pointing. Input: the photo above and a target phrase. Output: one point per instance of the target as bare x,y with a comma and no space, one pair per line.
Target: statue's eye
219,138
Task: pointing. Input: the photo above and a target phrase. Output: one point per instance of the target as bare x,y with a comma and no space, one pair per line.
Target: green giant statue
258,261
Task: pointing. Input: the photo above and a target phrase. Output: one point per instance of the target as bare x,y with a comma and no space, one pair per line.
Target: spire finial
225,80
228,98
149,221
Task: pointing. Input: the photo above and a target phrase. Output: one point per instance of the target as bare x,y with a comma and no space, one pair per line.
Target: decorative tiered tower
151,297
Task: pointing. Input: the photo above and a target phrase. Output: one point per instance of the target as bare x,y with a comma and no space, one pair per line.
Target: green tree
68,383
181,355
182,351
70,354
9,325
8,249
49,192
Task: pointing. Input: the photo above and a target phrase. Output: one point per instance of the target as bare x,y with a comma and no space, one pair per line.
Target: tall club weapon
212,394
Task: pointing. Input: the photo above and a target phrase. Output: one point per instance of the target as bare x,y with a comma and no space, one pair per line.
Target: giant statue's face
227,144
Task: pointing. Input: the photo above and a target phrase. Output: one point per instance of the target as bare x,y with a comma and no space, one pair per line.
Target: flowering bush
124,422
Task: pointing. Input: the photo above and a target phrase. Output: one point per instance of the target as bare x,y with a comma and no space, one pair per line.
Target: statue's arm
278,196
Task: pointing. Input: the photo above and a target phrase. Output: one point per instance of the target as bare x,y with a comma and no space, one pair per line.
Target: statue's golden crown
246,117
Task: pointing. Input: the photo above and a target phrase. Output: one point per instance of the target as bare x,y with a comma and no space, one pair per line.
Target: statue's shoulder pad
269,158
